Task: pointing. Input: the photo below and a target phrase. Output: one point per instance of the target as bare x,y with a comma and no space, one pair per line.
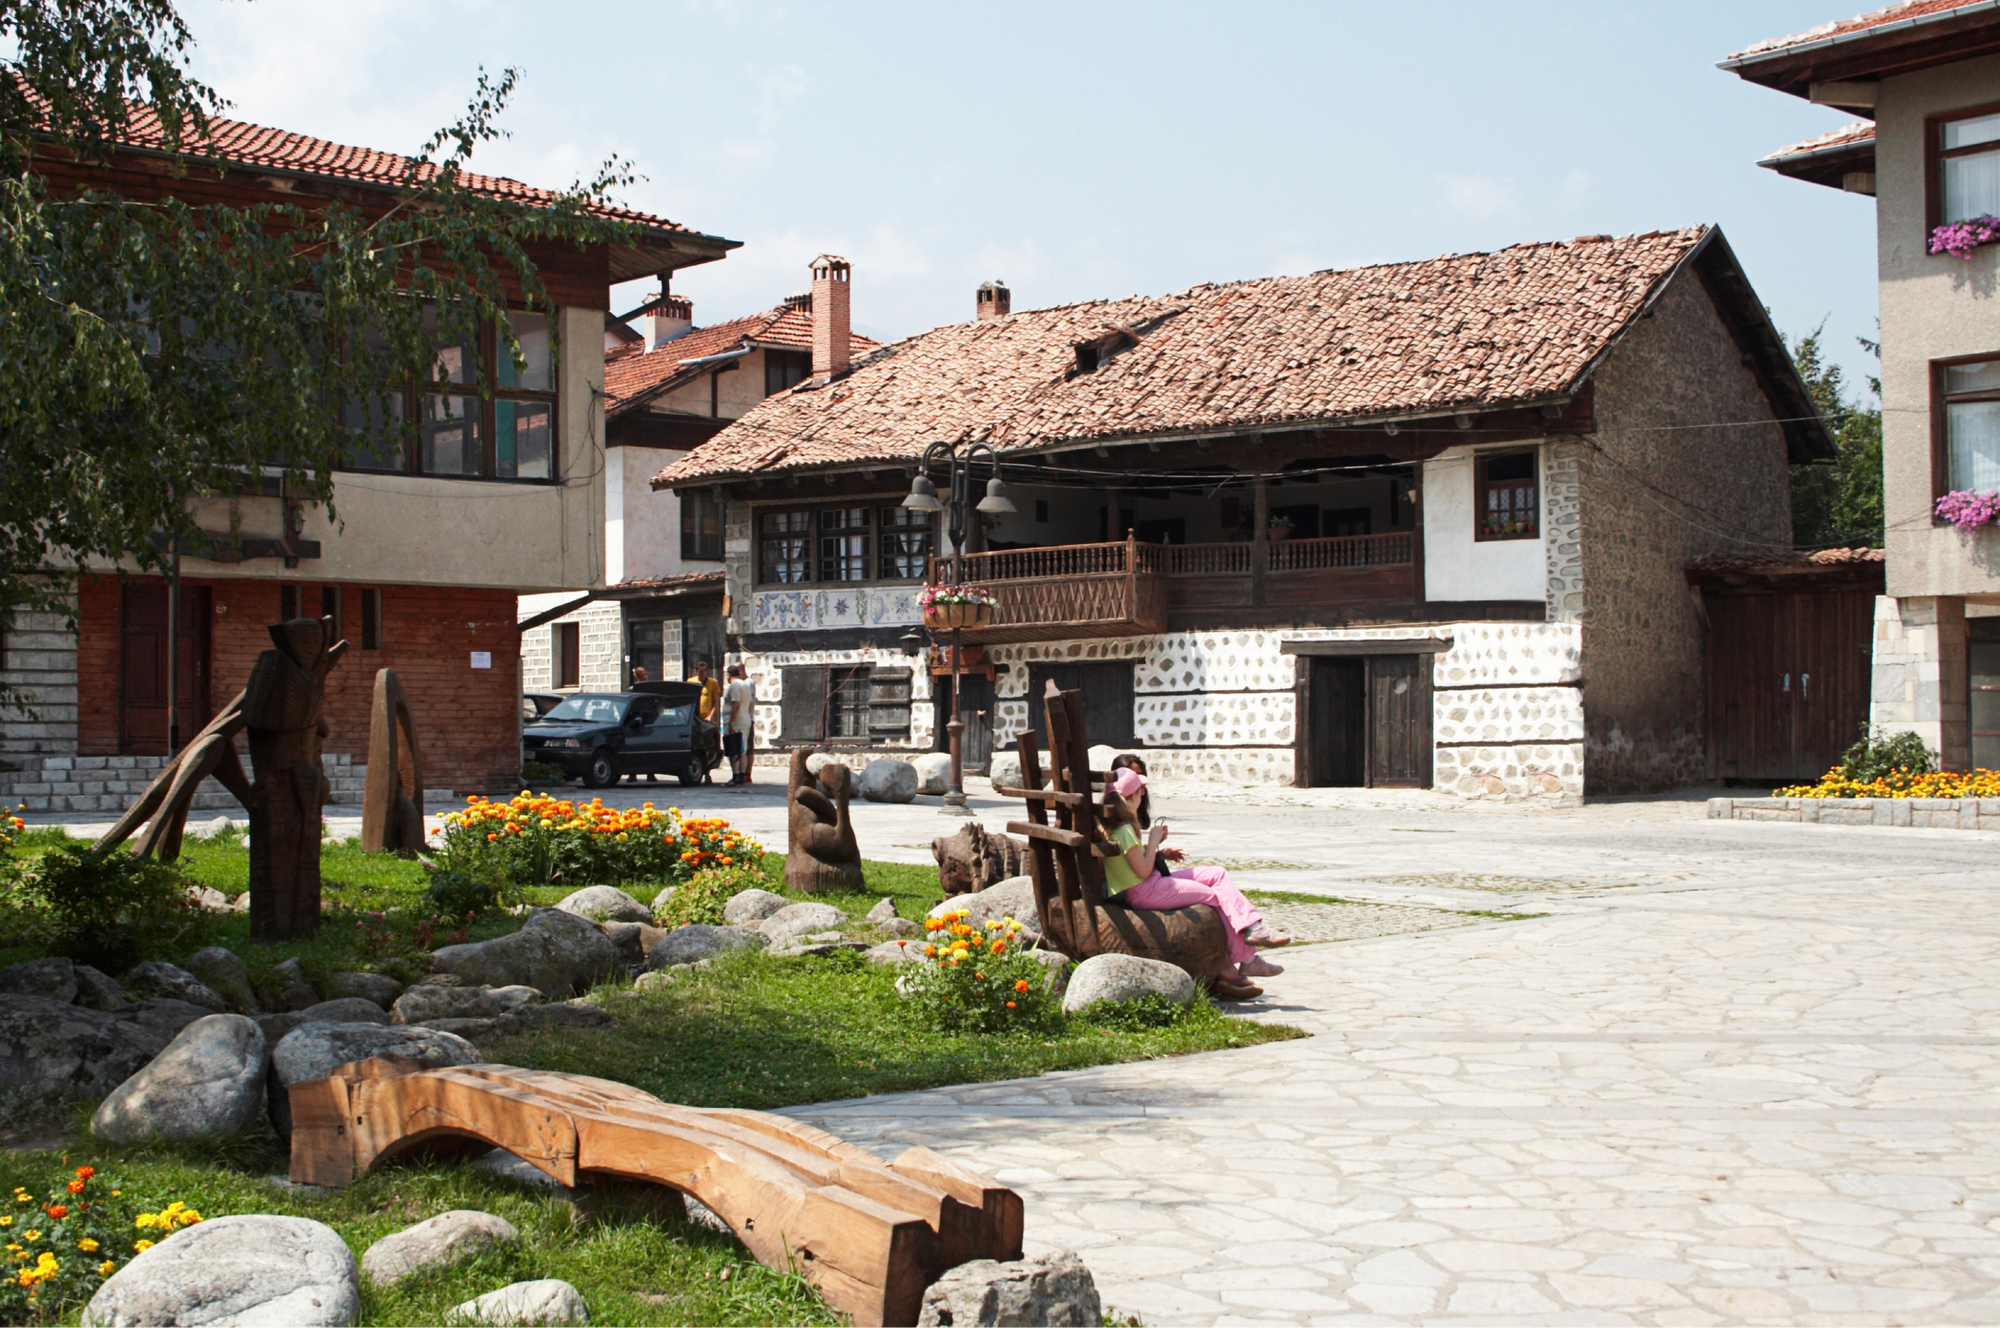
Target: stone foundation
110,784
1905,813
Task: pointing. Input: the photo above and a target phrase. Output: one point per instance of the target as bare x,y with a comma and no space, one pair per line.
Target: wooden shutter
889,703
802,704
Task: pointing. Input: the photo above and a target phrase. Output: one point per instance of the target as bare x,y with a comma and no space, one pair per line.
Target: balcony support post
1260,539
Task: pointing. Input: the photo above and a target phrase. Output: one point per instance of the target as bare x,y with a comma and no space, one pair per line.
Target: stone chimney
829,311
995,300
671,317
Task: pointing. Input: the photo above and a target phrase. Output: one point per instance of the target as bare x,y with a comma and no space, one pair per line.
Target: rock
900,927
752,906
625,937
1118,977
311,1051
163,1016
295,990
659,981
345,1010
207,1084
242,904
547,1301
972,858
227,976
934,772
649,936
1055,1289
220,828
557,953
793,921
605,903
1057,965
377,987
53,1050
421,1004
818,761
251,1269
507,1166
1012,898
213,900
884,910
50,979
888,780
443,980
434,1243
662,899
698,941
893,952
99,991
557,1014
157,978
1002,768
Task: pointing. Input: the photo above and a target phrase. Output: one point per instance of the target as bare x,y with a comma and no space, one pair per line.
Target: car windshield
588,710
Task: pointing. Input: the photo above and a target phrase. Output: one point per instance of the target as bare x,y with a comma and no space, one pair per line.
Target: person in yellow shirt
708,704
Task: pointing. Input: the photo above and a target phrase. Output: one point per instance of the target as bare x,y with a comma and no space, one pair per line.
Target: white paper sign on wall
482,659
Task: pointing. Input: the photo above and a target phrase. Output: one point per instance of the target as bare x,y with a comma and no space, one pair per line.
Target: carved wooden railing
1396,549
1067,590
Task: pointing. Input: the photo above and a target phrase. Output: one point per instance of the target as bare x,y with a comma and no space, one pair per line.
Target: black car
604,736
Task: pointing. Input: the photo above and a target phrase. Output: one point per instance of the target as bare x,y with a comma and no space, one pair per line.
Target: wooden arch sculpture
1078,918
392,801
869,1235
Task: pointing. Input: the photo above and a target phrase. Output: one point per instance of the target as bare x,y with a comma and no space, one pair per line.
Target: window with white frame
1968,167
1969,397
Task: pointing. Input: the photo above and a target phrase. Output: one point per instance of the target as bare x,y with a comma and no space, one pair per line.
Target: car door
645,746
676,729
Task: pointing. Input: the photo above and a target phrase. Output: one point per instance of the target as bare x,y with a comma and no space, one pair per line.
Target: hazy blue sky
1086,150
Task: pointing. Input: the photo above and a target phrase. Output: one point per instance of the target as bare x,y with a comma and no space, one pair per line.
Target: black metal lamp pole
923,498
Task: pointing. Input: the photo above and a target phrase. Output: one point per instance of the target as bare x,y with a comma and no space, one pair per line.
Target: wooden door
1337,721
1107,699
142,681
975,710
1787,680
1983,660
802,704
1399,721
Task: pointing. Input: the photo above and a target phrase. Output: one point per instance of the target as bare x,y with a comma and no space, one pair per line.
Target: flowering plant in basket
977,979
1960,238
1968,510
59,1249
934,596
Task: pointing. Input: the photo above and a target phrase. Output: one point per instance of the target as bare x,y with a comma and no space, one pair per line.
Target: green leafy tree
153,351
1841,503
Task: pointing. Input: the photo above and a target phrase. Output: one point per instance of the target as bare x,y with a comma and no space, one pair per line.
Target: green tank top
1118,877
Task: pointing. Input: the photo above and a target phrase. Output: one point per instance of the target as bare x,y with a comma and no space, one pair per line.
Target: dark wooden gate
1337,722
1399,721
142,681
1107,698
1367,721
1788,657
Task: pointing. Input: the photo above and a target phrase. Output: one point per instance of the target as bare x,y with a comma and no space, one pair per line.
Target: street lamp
924,498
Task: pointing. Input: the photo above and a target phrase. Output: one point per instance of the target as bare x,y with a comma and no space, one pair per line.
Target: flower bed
534,839
1901,784
975,979
60,1249
1968,510
1960,238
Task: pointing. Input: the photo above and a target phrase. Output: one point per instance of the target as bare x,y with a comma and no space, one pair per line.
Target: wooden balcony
1129,588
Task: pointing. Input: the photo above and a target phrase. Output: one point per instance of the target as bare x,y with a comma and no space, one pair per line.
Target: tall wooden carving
392,803
821,853
281,711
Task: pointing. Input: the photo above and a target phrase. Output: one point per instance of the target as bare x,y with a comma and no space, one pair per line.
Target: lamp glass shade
923,496
996,499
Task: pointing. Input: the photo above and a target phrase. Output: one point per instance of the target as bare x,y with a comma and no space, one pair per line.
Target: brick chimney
829,311
995,300
671,317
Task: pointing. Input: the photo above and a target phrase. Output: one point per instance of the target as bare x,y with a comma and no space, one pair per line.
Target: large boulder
605,903
377,987
894,952
1003,768
421,1004
51,979
251,1269
884,911
888,780
294,990
794,921
748,906
207,1084
557,953
52,1049
223,973
99,991
1122,977
548,1300
1012,898
698,941
933,772
313,1050
441,1240
1055,1289
157,978
344,1010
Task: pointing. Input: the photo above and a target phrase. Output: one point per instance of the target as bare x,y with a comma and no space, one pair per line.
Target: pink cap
1127,782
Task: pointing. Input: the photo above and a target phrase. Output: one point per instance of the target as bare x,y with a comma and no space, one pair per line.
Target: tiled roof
633,369
1833,563
1856,135
1467,331
684,581
1908,12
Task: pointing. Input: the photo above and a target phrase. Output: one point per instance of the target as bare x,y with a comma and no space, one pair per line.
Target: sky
1089,150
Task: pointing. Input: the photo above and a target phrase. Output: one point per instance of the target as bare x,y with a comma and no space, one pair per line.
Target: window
783,538
1968,167
511,437
908,540
836,544
371,620
566,654
329,607
288,603
1970,402
848,703
843,544
1508,507
785,368
701,525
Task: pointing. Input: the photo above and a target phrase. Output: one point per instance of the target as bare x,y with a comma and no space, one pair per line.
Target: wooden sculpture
821,854
1078,918
971,859
392,801
281,711
869,1235
163,807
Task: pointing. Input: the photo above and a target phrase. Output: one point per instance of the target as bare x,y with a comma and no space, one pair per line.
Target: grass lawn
747,1031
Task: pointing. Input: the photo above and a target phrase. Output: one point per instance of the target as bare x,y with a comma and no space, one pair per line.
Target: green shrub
700,898
975,980
1880,753
59,1249
107,911
1138,1015
461,894
540,772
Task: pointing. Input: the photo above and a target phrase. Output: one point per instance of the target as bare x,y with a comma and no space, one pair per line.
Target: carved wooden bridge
870,1235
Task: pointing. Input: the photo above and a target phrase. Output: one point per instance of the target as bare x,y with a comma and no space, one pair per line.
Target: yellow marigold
87,1245
142,1245
107,1268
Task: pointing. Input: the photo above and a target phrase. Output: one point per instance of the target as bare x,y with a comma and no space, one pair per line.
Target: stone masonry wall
1686,461
767,673
601,647
40,664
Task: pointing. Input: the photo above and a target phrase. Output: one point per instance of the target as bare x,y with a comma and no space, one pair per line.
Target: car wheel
691,773
602,771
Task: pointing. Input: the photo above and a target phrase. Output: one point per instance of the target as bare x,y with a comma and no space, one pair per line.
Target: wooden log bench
870,1235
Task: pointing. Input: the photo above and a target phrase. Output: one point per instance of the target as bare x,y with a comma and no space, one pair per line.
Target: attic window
1086,359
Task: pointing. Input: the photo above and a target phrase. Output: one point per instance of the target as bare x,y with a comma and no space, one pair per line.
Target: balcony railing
1127,588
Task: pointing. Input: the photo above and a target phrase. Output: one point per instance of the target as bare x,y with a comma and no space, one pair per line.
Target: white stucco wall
651,518
1458,567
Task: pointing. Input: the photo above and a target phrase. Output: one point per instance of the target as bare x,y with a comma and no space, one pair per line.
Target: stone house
670,386
1926,78
423,569
1415,524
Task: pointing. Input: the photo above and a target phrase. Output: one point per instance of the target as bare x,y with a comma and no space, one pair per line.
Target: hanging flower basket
1968,510
1960,238
956,606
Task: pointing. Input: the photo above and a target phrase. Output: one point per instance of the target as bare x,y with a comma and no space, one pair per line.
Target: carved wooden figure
392,802
971,859
163,807
821,852
281,711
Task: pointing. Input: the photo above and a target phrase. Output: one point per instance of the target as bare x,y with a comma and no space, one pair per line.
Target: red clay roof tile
1853,27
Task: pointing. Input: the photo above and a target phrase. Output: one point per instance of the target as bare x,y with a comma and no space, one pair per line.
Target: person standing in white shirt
739,719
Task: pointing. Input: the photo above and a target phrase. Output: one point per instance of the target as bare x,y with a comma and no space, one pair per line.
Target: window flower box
950,606
1969,511
1960,238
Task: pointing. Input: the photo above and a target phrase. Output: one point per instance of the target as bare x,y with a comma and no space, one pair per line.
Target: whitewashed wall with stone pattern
766,672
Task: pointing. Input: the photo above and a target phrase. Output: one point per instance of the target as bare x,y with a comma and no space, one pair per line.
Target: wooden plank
1028,829
1051,796
1003,1215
